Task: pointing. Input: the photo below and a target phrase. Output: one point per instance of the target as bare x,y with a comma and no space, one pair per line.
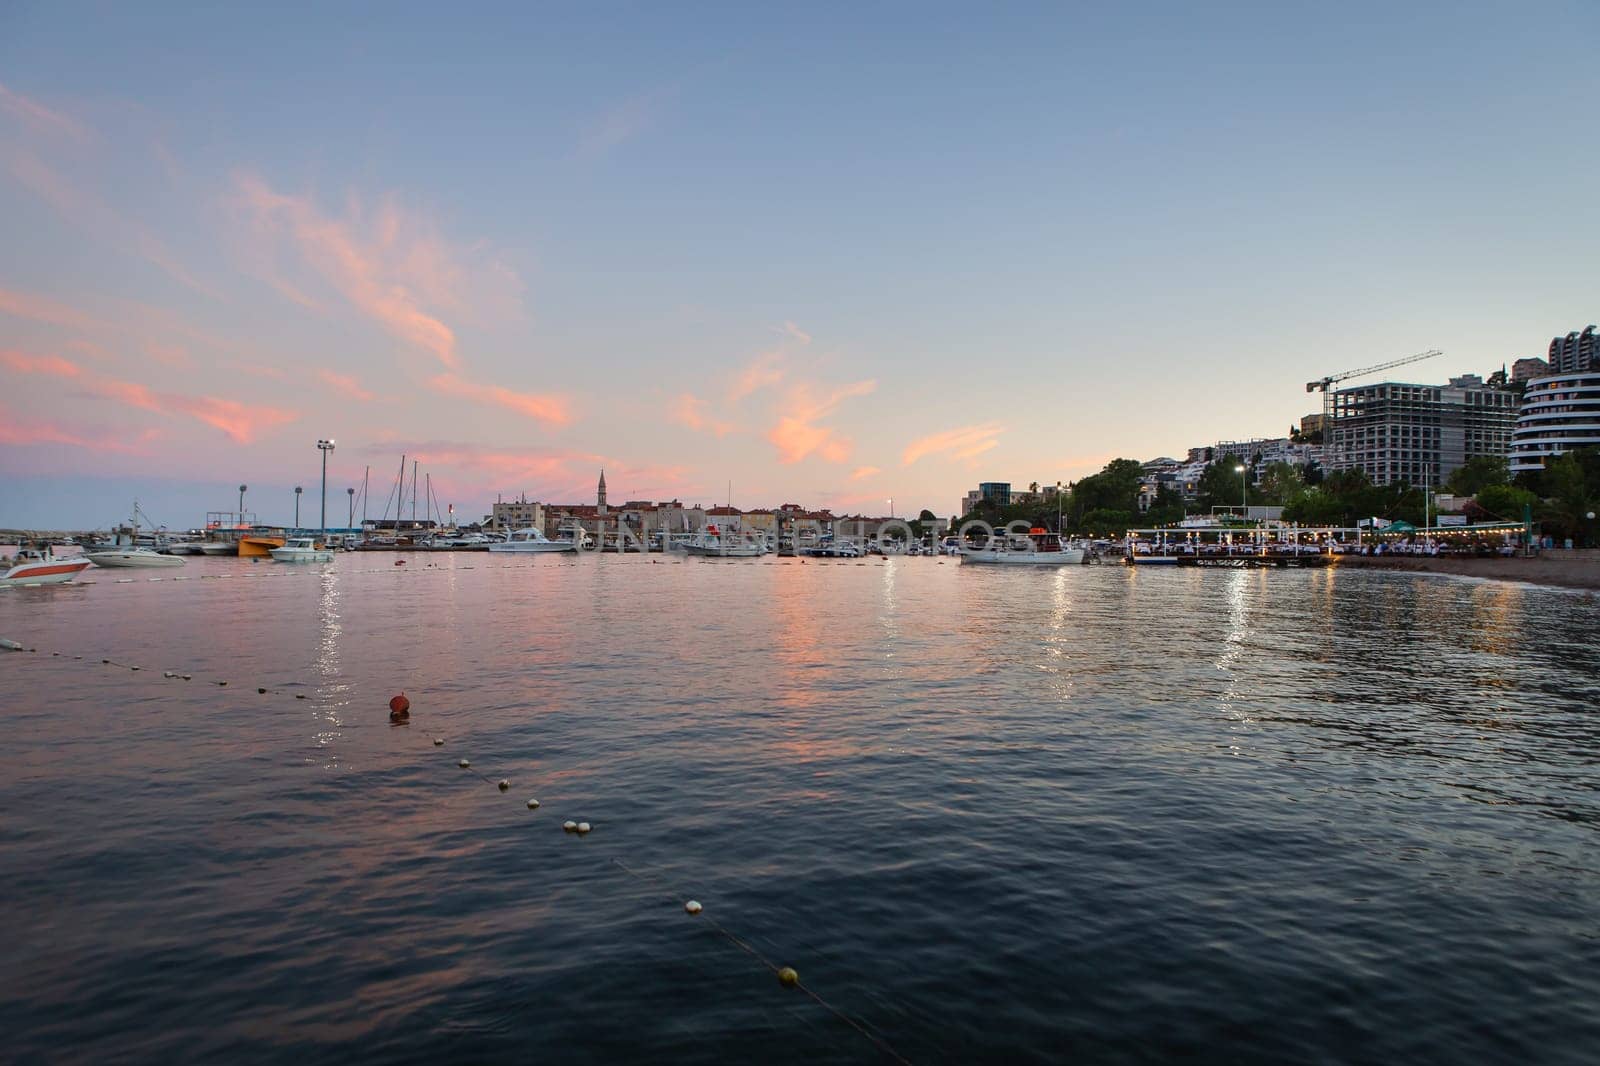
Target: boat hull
546,548
258,547
1066,557
1234,562
143,559
52,572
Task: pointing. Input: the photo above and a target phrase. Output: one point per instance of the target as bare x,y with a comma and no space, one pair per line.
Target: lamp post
891,506
297,491
241,503
1244,490
350,522
325,446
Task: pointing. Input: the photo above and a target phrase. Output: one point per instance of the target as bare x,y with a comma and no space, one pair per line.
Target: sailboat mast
364,479
413,494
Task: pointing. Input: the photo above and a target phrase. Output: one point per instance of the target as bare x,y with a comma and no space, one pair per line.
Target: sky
829,254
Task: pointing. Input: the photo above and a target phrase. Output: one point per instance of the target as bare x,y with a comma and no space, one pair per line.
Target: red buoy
399,708
399,562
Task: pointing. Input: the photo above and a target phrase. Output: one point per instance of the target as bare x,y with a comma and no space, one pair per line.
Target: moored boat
39,566
714,543
302,550
532,541
1037,547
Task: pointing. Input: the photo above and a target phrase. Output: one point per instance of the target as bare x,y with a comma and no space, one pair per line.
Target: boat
219,547
532,541
39,566
831,550
128,549
1037,547
713,543
302,550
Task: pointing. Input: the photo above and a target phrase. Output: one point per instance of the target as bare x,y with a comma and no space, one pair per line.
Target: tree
1280,482
1477,473
1220,484
1505,502
1165,509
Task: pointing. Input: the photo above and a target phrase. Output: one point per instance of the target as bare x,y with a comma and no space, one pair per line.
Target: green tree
1505,502
1166,509
1221,485
1280,482
1477,473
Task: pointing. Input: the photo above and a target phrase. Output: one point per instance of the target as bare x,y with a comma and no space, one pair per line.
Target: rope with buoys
787,976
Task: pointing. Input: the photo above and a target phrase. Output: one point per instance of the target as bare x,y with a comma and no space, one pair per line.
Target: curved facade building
1559,413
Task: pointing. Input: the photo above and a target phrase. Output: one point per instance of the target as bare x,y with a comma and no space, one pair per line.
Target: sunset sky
831,254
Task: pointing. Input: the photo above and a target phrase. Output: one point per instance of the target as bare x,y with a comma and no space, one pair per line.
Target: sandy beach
1578,568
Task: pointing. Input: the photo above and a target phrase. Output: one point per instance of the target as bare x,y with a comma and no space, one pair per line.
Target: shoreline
1573,569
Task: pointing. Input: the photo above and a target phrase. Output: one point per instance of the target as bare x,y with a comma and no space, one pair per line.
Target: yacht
532,541
302,550
1037,547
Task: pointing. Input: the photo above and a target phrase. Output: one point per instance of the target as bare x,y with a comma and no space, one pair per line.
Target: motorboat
39,566
302,550
1037,547
832,549
532,541
219,547
128,549
714,543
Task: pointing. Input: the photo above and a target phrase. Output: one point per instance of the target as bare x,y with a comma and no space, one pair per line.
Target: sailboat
132,554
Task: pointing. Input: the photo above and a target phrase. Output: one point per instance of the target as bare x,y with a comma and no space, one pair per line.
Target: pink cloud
167,354
22,432
689,410
553,475
795,333
40,118
43,309
346,385
551,409
243,423
94,216
798,433
387,264
762,372
862,472
23,363
966,442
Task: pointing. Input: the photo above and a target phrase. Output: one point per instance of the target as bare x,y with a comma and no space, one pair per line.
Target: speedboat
302,550
39,566
132,556
532,541
1038,547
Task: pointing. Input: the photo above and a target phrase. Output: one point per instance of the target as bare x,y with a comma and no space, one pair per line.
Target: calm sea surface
1095,815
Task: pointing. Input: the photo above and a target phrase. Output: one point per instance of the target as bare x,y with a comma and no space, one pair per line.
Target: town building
1576,353
1418,434
1559,413
995,492
1266,451
521,513
1527,369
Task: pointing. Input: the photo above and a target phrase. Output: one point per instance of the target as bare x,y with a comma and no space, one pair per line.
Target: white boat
302,550
113,557
532,541
712,543
1037,547
127,549
219,547
39,566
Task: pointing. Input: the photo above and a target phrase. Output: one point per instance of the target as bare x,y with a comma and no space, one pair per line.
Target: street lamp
325,446
297,491
1244,490
350,522
891,506
241,503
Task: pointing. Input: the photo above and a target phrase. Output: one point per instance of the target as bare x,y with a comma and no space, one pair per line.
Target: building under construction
1418,434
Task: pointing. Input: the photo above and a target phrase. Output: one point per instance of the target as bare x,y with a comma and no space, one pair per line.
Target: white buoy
583,827
569,827
693,906
464,763
504,784
533,805
438,742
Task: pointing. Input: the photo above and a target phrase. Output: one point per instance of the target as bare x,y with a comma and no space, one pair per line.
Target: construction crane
1326,384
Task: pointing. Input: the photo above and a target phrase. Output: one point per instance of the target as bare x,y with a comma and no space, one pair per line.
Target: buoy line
787,976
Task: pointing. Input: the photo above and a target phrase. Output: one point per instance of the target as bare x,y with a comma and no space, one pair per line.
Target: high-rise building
995,492
1418,434
1528,369
1576,353
1559,413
